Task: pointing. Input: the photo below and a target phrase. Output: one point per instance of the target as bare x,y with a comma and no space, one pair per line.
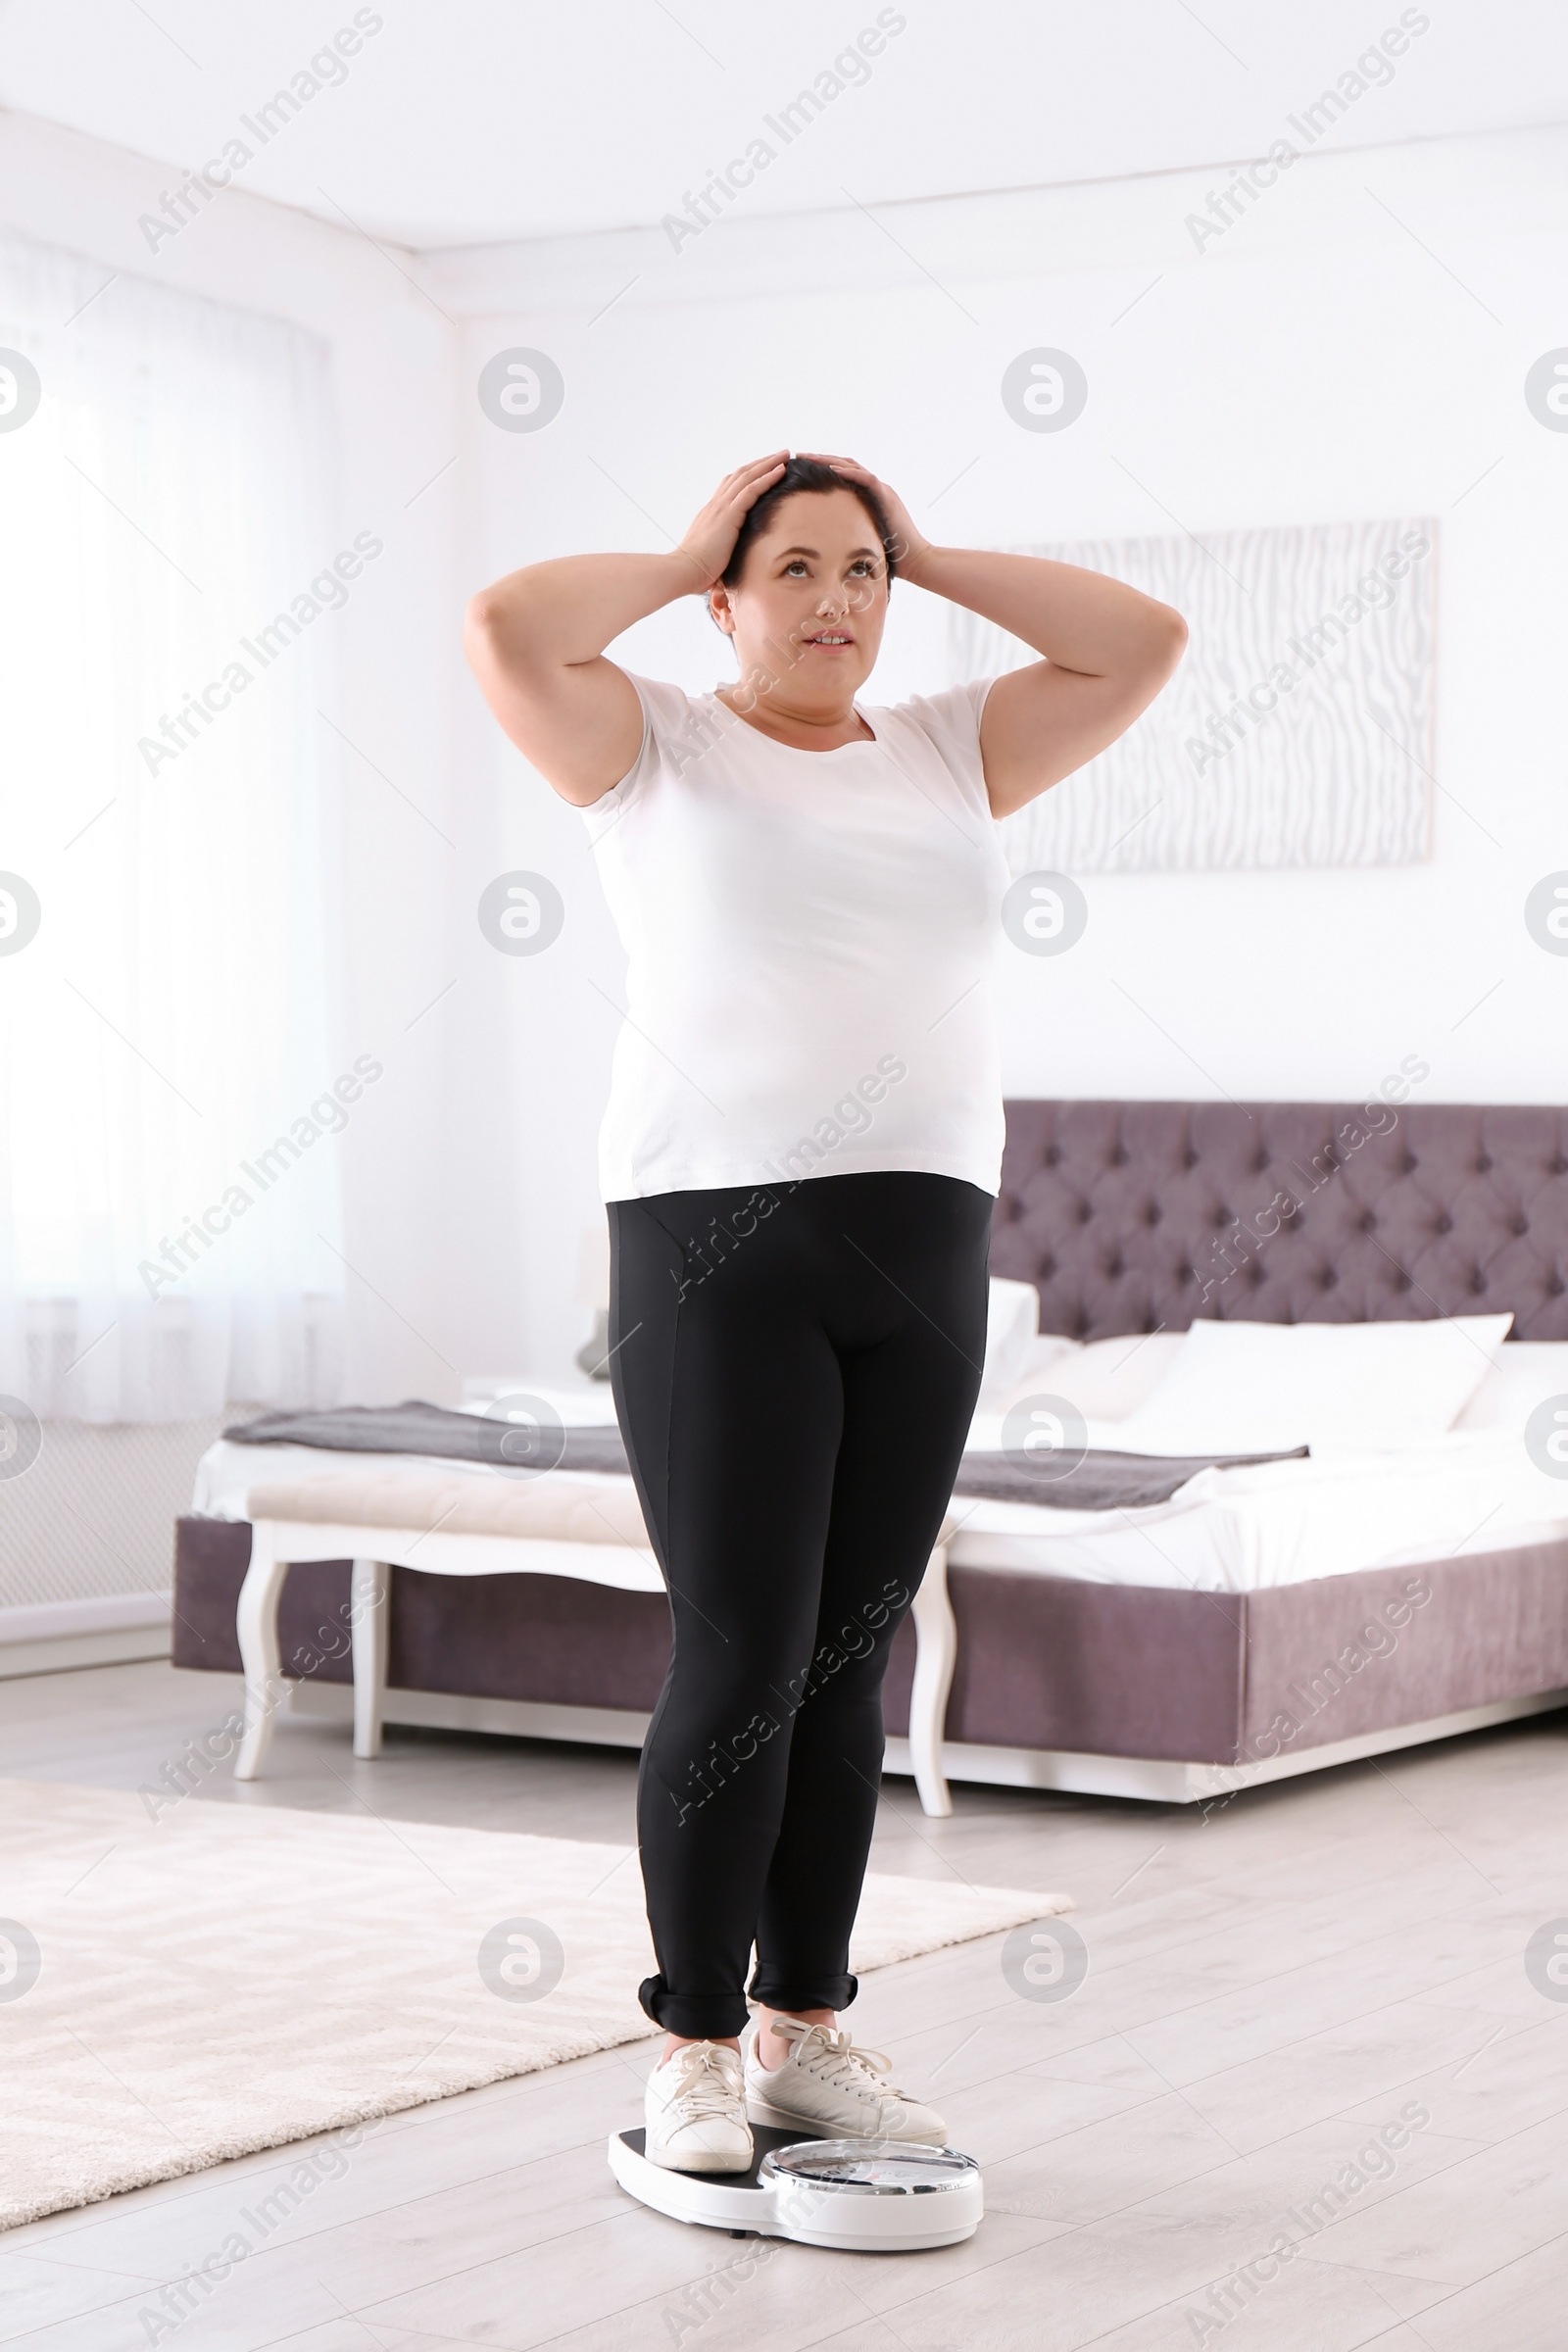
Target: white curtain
173,1017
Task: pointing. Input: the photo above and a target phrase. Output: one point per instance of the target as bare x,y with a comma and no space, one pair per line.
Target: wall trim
52,1637
985,235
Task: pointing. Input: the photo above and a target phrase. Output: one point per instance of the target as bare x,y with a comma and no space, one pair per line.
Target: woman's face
807,611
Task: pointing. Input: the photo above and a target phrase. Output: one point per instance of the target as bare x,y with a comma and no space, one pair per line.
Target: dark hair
807,473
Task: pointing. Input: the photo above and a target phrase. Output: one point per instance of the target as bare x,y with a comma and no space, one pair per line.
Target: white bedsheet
1226,1530
1283,1523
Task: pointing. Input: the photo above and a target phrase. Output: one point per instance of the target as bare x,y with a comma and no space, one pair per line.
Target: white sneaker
695,2111
828,2084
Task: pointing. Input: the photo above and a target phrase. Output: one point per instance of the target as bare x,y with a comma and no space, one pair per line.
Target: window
169,596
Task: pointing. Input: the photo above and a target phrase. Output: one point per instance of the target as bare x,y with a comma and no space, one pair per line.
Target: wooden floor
1268,1987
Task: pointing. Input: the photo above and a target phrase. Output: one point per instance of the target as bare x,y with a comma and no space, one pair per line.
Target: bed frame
1133,1217
1127,1217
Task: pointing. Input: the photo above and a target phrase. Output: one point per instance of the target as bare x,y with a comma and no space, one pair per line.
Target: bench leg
369,1595
936,1638
255,1623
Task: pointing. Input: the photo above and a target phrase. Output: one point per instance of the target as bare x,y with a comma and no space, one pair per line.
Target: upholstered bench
565,1523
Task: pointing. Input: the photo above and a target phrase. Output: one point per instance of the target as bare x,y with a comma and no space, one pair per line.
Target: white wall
1354,346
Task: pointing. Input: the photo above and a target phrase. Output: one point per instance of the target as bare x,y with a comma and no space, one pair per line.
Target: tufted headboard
1139,1216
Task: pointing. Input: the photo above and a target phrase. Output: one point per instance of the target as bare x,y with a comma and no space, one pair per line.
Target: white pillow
1258,1388
1526,1373
1013,1325
1107,1379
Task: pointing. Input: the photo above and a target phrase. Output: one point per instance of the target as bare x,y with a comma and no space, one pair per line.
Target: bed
1263,1621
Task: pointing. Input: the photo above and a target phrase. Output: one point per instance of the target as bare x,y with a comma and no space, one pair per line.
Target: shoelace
832,2053
704,2086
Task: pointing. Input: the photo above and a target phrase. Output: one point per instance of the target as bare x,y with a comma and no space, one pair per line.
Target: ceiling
478,122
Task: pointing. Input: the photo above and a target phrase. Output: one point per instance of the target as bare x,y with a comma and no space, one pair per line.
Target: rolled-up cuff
694,2016
792,1993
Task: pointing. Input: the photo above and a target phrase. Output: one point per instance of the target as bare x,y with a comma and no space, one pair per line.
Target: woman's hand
710,538
909,544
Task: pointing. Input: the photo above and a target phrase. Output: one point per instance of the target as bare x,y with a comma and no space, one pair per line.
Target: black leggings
794,1368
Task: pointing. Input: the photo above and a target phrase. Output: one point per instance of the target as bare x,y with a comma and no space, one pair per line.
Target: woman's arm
536,641
1107,648
1108,651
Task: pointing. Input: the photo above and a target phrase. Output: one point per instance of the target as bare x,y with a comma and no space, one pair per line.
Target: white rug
236,1977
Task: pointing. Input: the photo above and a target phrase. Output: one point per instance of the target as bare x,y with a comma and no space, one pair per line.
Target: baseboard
53,1637
453,1711
1156,1780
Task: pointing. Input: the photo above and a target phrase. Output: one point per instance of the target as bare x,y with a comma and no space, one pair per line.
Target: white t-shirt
810,937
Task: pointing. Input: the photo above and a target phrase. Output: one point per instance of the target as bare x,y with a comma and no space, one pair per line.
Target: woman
800,1159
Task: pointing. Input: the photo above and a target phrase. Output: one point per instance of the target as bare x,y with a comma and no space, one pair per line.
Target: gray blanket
1100,1482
